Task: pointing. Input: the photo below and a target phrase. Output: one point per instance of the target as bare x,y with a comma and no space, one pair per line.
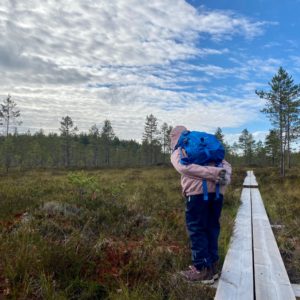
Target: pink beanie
175,135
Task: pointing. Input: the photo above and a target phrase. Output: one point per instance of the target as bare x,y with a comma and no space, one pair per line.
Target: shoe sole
208,282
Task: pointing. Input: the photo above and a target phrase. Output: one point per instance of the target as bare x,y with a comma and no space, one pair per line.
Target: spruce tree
282,104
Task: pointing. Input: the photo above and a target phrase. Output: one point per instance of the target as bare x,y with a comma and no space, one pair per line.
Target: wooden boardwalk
253,267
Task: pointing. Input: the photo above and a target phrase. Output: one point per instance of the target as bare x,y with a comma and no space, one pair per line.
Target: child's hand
222,174
221,181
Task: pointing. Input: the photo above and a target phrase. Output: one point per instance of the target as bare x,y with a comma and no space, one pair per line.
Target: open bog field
119,235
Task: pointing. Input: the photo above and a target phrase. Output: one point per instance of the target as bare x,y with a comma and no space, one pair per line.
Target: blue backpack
201,148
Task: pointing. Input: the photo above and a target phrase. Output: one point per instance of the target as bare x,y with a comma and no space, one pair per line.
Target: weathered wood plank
296,289
253,179
250,180
271,279
236,281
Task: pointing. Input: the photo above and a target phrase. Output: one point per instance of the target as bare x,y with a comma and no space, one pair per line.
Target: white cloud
296,60
271,44
119,60
257,135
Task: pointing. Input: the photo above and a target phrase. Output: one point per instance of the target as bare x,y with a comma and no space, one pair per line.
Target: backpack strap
204,184
217,185
184,160
205,148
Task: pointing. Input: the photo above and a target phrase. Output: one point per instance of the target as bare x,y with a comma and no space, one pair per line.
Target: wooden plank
271,279
253,179
236,280
296,289
247,180
250,180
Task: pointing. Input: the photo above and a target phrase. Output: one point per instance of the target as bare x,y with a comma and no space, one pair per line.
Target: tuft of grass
111,243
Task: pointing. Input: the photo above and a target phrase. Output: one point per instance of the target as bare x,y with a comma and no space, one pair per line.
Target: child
202,216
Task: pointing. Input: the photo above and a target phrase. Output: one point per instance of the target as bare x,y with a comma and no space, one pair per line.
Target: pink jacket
192,175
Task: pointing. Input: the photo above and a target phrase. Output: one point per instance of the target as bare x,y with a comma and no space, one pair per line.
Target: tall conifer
150,133
282,106
68,131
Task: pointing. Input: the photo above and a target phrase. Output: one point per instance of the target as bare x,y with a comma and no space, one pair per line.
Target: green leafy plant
90,185
85,185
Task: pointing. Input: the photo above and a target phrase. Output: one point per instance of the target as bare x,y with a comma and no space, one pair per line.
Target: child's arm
195,171
227,167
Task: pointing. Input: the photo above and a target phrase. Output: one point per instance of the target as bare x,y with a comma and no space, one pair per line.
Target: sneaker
193,275
215,270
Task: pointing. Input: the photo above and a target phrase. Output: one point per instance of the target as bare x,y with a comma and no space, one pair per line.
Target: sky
192,63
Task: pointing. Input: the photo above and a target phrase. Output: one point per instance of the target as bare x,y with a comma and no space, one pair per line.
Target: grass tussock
56,242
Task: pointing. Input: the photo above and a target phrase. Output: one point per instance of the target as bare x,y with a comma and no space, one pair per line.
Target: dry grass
56,244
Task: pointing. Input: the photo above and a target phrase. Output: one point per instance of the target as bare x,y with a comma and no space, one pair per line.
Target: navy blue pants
202,221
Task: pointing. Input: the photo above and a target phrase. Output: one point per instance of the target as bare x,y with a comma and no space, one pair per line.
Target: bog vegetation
111,233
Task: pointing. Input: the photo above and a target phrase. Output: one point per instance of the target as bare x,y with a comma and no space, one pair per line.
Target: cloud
296,60
121,60
130,33
271,44
128,106
257,135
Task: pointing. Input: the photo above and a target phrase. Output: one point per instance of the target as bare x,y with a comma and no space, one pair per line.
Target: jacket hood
175,135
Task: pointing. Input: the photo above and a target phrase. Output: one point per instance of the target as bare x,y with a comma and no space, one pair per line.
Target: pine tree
260,152
282,102
150,133
9,115
169,139
251,146
95,140
234,149
243,142
7,152
107,136
164,138
67,133
220,136
1,118
84,140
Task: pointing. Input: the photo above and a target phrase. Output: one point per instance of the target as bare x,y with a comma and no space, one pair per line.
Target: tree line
101,146
98,146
